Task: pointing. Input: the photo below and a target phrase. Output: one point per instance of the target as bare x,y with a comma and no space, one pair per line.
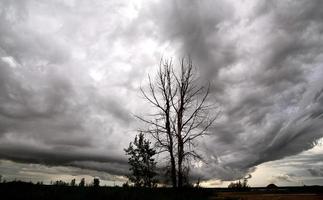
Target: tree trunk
180,144
182,115
173,170
171,146
180,163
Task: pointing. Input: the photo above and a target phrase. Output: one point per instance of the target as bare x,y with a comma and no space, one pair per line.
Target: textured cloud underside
70,74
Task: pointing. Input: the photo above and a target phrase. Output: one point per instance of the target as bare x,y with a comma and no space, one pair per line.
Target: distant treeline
28,190
25,190
82,183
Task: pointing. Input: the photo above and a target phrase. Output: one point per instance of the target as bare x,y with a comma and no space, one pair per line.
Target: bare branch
182,114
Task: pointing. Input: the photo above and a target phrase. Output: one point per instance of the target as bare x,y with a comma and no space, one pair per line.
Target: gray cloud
265,63
46,174
50,110
316,172
282,178
70,73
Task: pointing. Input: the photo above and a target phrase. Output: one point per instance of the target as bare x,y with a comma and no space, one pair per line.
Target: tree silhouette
73,183
239,185
142,163
60,183
182,114
96,182
82,182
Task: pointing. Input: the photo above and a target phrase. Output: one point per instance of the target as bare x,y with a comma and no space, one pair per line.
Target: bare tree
160,95
182,114
192,114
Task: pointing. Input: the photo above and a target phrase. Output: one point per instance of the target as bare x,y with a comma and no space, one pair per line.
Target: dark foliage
21,190
82,182
142,163
96,182
240,185
73,182
60,183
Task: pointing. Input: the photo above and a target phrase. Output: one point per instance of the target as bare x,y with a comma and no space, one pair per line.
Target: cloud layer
70,73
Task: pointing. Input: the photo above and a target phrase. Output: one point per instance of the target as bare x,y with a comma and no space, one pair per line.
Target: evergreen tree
142,163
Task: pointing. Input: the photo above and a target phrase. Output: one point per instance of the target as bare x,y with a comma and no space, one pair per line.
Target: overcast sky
70,73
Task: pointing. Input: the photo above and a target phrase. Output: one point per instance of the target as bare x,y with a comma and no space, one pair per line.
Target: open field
281,193
266,196
21,190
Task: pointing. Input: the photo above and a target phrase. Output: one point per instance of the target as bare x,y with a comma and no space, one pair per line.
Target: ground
22,190
266,196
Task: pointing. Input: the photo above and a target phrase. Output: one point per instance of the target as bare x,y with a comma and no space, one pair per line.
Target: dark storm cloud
266,66
70,72
197,25
49,108
46,174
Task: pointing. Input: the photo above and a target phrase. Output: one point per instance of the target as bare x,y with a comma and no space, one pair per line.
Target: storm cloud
70,73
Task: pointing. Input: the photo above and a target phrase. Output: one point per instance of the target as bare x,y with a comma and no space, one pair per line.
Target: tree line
82,183
94,183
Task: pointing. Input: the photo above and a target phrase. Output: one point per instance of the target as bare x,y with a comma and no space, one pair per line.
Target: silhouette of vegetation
82,183
96,182
182,115
27,190
23,190
142,163
73,182
125,185
60,183
239,185
39,183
